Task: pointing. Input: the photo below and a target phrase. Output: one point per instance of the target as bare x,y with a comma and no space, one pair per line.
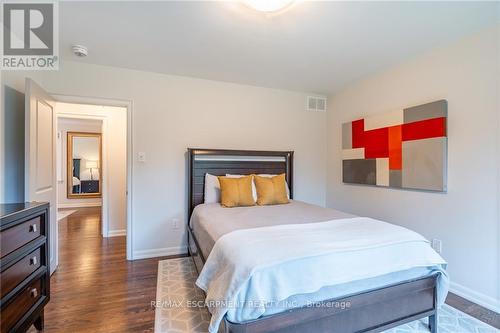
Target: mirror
84,165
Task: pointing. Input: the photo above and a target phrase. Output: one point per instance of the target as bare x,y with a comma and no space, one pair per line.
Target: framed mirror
84,161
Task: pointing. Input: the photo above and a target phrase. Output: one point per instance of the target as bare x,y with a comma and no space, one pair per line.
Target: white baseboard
115,233
79,205
162,252
475,297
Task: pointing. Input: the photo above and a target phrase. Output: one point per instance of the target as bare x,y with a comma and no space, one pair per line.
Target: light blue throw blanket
252,269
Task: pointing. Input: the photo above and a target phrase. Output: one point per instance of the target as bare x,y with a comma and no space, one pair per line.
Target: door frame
104,161
128,105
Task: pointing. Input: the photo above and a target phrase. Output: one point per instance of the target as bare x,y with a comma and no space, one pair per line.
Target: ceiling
314,46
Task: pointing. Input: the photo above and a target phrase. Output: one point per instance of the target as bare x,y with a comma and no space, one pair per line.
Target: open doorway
33,125
91,159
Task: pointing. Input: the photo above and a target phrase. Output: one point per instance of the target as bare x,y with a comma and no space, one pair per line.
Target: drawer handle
33,261
33,228
33,293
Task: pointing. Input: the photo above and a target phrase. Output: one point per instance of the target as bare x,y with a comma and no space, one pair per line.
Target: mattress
211,221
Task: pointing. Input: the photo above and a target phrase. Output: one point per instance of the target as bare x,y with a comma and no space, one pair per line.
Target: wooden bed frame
369,311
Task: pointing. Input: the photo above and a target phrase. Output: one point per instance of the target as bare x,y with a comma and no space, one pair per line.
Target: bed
375,304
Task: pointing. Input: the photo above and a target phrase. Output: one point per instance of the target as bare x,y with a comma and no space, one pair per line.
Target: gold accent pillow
271,190
236,192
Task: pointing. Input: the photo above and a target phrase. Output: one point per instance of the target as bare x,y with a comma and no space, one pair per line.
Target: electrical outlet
175,223
437,245
141,156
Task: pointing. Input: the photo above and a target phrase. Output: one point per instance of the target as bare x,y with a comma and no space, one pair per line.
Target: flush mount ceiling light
268,6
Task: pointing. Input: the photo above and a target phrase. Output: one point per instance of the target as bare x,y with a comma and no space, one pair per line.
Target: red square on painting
377,143
425,129
358,133
395,148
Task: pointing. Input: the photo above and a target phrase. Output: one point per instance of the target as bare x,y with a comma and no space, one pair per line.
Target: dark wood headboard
219,162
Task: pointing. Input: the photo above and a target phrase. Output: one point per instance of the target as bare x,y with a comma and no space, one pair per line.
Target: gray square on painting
347,135
435,109
395,178
424,164
360,171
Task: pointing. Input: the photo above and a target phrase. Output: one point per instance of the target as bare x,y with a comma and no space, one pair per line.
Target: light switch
141,156
437,245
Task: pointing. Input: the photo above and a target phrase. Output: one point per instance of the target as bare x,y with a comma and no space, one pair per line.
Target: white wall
114,157
173,113
466,218
65,125
498,150
2,141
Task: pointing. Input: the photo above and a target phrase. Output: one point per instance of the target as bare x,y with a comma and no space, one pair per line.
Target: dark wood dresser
90,186
24,265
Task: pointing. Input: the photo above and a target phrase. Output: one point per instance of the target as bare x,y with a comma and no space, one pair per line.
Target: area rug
178,306
61,214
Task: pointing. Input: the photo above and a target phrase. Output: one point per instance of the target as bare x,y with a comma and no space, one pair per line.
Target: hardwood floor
95,288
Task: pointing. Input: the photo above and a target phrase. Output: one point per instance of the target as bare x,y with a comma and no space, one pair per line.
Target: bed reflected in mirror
84,165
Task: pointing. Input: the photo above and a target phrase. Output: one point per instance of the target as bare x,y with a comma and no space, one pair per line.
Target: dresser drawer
15,237
16,273
21,304
90,186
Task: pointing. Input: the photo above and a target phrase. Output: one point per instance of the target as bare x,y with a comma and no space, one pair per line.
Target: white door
40,163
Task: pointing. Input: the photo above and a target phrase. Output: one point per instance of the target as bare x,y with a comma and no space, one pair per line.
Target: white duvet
249,269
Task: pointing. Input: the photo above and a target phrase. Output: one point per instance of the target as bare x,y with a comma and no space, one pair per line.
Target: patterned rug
179,306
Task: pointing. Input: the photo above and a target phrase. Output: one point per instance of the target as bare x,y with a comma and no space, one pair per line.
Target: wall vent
315,103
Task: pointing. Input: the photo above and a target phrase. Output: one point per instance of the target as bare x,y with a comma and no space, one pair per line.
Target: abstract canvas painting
403,149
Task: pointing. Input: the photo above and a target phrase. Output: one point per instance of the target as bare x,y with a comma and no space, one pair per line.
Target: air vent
315,103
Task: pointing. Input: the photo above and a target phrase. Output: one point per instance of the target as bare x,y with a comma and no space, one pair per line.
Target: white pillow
212,189
254,189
